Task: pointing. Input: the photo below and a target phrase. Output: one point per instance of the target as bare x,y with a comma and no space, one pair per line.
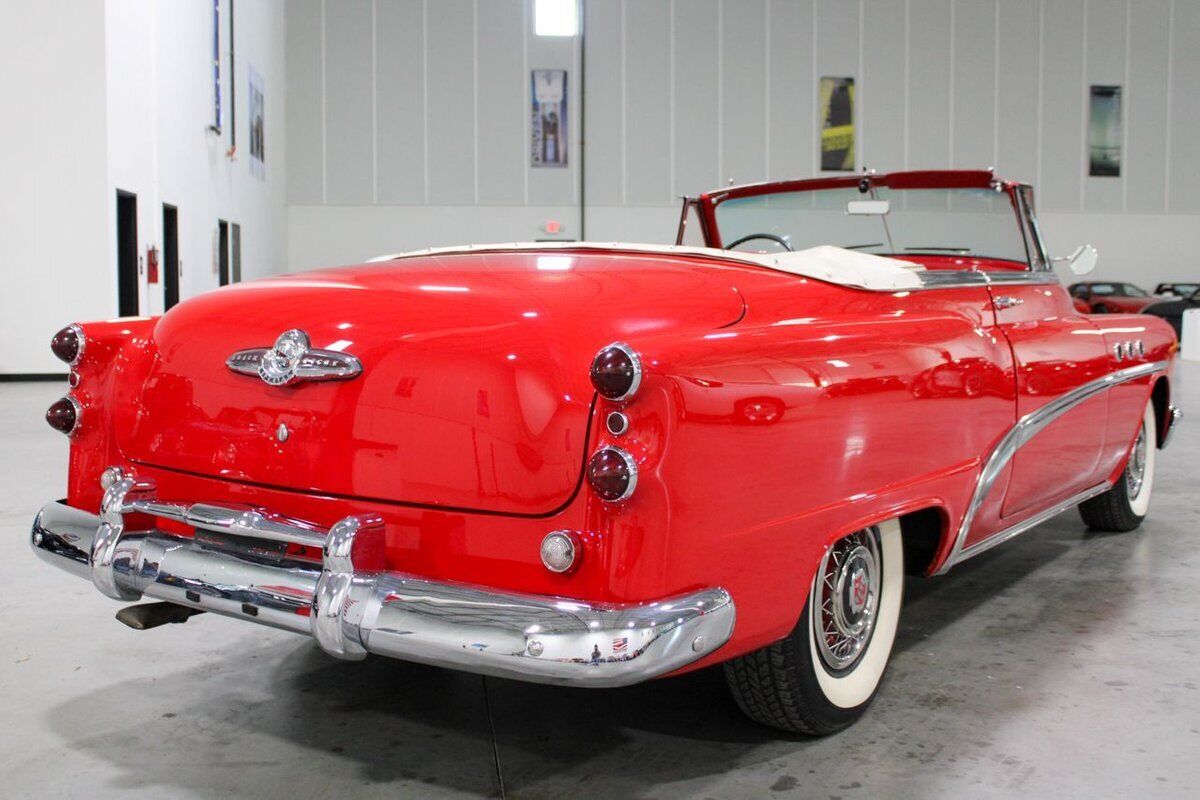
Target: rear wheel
822,677
1124,506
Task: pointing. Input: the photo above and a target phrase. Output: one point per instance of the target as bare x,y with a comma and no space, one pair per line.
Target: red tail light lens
64,415
616,372
612,474
67,344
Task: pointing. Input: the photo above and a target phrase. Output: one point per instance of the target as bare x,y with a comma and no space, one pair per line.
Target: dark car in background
1111,297
1177,289
1172,309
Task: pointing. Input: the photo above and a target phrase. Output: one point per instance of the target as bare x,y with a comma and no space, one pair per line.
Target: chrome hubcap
1135,471
847,599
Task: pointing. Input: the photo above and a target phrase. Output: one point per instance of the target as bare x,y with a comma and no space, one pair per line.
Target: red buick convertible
593,464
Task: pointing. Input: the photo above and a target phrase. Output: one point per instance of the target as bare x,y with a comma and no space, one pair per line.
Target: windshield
980,223
1117,290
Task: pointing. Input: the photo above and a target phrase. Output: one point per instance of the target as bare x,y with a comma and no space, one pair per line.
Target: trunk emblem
292,359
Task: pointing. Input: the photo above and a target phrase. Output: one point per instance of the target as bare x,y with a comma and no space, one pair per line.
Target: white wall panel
400,119
605,102
744,110
451,105
973,84
1063,114
696,143
349,101
883,95
1017,108
928,96
305,154
503,97
1105,60
792,100
647,75
1184,152
1145,157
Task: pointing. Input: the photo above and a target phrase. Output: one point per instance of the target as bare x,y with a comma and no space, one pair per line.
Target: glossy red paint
775,415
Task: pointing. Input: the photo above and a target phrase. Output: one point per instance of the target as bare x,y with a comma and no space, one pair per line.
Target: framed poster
1104,132
837,124
258,153
548,127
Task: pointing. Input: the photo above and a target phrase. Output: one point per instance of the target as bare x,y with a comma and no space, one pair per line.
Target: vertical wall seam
950,98
324,118
624,113
817,120
721,93
996,85
375,102
1040,87
671,190
859,123
1125,95
1170,105
1084,112
907,78
767,89
475,90
424,94
527,140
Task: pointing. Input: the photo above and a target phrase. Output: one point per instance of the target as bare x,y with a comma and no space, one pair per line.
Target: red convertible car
595,464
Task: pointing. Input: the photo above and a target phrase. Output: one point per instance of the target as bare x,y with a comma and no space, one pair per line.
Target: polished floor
1063,664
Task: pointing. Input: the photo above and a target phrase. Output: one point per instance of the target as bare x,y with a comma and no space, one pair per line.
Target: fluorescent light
555,17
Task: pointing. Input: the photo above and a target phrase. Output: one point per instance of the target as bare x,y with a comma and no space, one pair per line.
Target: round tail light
616,372
612,474
67,344
64,415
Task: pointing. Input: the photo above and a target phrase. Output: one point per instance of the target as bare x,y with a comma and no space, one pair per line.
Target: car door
1056,350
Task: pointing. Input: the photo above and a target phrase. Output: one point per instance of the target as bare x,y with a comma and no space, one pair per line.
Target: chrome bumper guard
351,612
1174,417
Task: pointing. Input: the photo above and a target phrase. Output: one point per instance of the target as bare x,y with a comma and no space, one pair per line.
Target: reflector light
67,344
612,474
616,372
64,415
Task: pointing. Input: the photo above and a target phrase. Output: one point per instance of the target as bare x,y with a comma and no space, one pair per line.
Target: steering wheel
779,240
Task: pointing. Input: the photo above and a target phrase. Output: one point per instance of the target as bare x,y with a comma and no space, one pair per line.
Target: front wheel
822,677
1123,507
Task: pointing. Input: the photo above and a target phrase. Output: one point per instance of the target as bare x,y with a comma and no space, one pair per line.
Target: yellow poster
837,124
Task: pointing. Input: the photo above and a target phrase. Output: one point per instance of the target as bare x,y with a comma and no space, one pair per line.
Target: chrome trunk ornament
292,359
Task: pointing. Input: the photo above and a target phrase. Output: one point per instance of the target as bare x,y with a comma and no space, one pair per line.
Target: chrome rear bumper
354,611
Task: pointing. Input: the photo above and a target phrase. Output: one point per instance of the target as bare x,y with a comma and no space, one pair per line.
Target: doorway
222,253
170,265
127,257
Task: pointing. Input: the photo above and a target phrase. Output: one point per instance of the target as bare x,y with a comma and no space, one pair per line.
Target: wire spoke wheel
846,599
1135,471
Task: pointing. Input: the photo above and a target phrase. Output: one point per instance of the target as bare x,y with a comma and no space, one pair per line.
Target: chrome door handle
1007,301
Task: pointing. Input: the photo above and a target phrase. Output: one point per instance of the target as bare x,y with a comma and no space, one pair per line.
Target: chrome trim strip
351,607
1019,435
1037,519
947,279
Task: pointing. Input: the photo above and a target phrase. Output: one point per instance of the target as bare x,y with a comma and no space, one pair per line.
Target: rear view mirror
868,208
1082,261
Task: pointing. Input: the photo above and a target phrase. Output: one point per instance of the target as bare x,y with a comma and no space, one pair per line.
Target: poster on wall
549,124
837,124
258,155
1104,132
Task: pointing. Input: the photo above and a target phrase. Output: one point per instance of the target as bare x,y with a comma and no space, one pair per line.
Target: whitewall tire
822,676
1124,506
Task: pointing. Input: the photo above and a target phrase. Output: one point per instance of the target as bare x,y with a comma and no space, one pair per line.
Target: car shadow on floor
388,723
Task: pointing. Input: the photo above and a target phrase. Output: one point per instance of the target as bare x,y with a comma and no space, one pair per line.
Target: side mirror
1082,261
868,208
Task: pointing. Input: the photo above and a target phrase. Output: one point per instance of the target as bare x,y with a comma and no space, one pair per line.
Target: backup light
612,474
617,372
560,551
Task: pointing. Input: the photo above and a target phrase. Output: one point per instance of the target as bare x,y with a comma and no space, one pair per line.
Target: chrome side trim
948,279
1018,436
1031,522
